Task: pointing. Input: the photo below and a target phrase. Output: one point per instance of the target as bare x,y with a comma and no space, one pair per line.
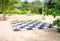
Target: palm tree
35,5
6,5
43,17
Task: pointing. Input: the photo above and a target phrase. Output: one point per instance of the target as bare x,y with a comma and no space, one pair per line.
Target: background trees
6,6
57,4
34,6
51,8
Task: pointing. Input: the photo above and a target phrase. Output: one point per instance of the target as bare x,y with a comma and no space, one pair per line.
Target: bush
15,11
52,11
36,11
57,22
23,10
58,29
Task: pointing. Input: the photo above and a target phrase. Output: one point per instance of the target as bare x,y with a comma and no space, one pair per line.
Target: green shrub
57,22
15,11
58,29
23,12
52,11
35,11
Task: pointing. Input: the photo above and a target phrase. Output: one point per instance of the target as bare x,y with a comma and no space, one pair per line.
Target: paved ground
6,34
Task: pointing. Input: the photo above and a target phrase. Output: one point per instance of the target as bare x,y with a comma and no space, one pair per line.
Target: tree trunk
43,17
3,16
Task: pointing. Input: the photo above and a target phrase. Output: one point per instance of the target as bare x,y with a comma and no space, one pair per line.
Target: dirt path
6,34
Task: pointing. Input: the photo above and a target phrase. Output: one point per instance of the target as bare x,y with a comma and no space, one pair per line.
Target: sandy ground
6,33
48,19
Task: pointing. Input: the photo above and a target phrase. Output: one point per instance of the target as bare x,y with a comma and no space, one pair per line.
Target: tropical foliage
6,6
51,8
57,22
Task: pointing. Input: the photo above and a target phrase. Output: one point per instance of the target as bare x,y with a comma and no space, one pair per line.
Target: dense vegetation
52,8
16,7
57,22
